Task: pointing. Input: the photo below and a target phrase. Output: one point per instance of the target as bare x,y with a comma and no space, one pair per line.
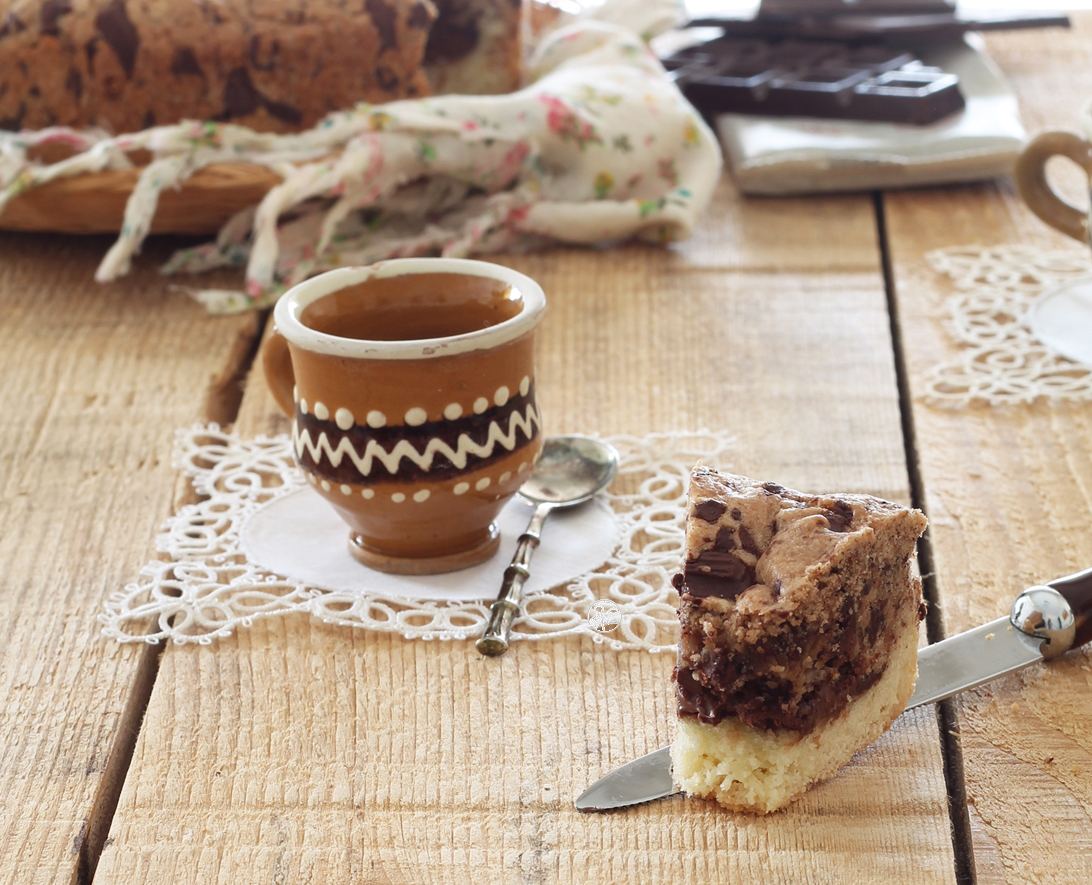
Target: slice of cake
799,636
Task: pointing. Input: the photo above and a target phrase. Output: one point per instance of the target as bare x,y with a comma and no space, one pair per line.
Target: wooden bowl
95,203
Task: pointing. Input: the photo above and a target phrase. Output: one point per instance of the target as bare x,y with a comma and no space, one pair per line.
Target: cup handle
1031,180
277,363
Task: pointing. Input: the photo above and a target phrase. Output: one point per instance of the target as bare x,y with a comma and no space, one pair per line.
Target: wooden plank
303,752
1009,491
95,380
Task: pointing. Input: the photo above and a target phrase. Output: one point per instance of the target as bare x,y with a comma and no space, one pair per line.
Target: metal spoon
571,470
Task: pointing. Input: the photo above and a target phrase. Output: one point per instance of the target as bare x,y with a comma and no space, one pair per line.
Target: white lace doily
204,587
1001,359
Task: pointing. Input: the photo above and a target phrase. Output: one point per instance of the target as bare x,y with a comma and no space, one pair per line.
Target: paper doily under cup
300,537
1062,319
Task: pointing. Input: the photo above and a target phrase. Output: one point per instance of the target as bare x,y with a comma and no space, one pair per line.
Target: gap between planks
221,406
948,727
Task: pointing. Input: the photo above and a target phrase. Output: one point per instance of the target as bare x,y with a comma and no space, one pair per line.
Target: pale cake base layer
745,769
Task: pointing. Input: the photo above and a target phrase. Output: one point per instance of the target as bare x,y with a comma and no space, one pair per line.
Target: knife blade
1045,621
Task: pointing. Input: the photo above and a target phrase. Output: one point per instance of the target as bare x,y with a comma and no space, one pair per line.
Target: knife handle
1077,590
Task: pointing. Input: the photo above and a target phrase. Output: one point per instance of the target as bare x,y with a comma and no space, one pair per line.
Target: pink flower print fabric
601,147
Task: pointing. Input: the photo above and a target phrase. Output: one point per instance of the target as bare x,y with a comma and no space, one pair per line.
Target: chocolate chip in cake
384,18
710,511
240,96
185,63
120,34
50,16
840,517
12,25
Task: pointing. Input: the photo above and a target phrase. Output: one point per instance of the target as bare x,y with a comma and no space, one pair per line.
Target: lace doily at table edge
1000,360
204,588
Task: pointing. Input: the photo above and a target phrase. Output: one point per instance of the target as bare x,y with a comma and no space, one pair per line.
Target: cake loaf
125,65
799,636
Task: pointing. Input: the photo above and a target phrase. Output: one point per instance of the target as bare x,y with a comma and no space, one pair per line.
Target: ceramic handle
1032,183
277,363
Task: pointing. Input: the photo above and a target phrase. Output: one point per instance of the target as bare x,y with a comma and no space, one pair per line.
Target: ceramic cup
411,388
1031,180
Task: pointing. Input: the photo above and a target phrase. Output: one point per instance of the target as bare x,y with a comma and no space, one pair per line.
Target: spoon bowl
571,470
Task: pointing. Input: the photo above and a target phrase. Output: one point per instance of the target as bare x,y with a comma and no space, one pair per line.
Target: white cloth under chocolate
600,148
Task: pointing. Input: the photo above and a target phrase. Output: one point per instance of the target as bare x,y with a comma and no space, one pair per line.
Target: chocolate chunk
50,16
284,112
725,541
14,124
384,17
12,25
451,43
240,96
737,514
74,83
747,542
772,488
840,516
678,582
715,573
386,78
185,63
710,511
120,33
421,17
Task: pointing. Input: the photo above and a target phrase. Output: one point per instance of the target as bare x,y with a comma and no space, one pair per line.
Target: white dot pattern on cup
416,416
295,394
367,494
482,484
344,418
461,488
346,490
321,412
325,485
422,495
501,396
480,405
376,419
453,411
398,497
303,406
504,477
524,385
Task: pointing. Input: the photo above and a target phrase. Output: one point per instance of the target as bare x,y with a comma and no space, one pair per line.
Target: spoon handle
494,641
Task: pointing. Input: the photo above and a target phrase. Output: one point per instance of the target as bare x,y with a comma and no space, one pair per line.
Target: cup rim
287,314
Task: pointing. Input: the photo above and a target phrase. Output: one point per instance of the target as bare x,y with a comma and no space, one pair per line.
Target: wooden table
299,752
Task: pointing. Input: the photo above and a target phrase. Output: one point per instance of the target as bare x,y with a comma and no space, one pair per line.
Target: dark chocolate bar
814,78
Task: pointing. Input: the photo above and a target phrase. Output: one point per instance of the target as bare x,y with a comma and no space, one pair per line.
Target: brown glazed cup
411,388
1036,191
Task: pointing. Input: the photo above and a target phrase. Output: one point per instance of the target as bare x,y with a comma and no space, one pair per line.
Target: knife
1045,621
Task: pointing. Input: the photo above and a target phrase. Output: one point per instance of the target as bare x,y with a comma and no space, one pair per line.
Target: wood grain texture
1009,494
95,380
95,203
294,751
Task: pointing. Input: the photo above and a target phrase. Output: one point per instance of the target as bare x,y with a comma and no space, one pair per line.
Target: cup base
424,565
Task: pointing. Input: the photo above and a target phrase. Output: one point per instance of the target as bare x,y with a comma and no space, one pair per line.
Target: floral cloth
600,148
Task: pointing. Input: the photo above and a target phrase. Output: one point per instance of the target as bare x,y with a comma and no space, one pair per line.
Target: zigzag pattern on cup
360,454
